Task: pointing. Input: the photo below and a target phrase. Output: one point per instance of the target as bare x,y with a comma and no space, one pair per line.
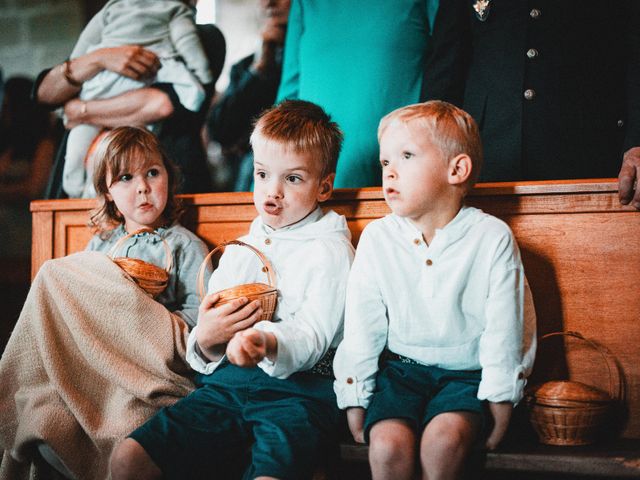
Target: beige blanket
91,358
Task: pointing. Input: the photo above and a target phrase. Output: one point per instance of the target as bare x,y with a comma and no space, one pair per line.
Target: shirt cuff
196,360
352,393
498,385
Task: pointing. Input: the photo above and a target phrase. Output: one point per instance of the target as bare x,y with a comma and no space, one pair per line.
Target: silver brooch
482,8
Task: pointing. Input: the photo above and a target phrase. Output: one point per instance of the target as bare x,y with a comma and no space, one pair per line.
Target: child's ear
326,187
460,168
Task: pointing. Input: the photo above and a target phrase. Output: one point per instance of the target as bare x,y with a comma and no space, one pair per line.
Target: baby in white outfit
167,28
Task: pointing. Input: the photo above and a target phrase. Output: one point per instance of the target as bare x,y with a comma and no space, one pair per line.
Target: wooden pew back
581,252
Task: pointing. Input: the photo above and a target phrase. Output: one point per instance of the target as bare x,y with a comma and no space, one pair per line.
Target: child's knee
447,436
130,461
391,443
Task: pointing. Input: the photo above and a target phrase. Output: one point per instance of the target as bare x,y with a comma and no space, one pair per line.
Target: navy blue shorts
417,393
241,423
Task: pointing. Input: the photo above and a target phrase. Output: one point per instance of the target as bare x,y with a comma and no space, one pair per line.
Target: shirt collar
312,217
452,231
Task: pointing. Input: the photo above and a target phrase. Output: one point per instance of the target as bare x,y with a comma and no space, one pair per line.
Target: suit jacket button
529,94
535,13
621,123
532,53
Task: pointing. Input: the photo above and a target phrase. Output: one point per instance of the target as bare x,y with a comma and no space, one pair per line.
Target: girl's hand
247,348
501,413
131,61
355,419
216,326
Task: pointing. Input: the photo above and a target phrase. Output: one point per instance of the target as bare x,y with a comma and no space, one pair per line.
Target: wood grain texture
580,248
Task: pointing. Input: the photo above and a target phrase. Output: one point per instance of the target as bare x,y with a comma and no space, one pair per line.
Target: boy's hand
501,413
249,347
216,326
355,419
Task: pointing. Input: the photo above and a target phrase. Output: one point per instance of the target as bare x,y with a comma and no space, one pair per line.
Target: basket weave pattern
151,278
569,413
266,293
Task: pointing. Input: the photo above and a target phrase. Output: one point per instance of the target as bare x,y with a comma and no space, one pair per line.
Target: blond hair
125,150
450,129
305,127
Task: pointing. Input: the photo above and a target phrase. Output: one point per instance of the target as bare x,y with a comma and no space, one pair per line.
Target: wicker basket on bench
568,412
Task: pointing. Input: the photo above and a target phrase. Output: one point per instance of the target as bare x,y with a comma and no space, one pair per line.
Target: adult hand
501,413
628,190
74,110
355,419
216,326
273,35
131,61
274,31
248,348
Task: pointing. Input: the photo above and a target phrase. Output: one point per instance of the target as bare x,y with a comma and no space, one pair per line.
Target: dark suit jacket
579,60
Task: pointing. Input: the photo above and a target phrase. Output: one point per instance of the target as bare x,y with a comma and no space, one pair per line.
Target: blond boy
264,400
441,286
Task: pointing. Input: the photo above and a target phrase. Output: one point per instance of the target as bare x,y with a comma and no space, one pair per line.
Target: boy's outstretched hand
249,347
501,413
355,419
216,326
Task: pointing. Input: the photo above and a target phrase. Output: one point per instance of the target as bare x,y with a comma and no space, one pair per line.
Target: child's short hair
305,127
452,130
125,150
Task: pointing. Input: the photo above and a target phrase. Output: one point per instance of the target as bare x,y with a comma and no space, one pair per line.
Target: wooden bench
581,252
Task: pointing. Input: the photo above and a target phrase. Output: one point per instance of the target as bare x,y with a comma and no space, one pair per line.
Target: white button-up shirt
458,303
311,260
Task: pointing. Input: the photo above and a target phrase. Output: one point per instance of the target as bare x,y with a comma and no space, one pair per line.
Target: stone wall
35,34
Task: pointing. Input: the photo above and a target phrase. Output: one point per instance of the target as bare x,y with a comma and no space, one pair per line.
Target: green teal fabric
242,420
359,60
417,393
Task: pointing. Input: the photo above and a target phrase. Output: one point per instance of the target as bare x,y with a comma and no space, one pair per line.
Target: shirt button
621,123
529,94
520,376
349,380
267,241
535,13
416,241
429,262
532,53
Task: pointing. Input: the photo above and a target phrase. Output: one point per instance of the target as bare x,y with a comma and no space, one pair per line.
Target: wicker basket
266,293
567,412
151,278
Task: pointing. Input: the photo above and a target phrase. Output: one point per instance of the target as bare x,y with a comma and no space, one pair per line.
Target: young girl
166,28
103,356
135,184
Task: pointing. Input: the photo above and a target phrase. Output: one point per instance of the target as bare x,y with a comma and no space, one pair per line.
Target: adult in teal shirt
359,60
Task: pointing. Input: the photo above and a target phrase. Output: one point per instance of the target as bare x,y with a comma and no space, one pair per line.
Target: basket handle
266,265
593,345
167,250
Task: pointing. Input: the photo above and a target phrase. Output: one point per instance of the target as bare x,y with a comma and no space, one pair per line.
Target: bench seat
581,252
618,459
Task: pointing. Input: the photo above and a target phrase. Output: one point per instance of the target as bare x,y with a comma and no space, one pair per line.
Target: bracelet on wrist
66,71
